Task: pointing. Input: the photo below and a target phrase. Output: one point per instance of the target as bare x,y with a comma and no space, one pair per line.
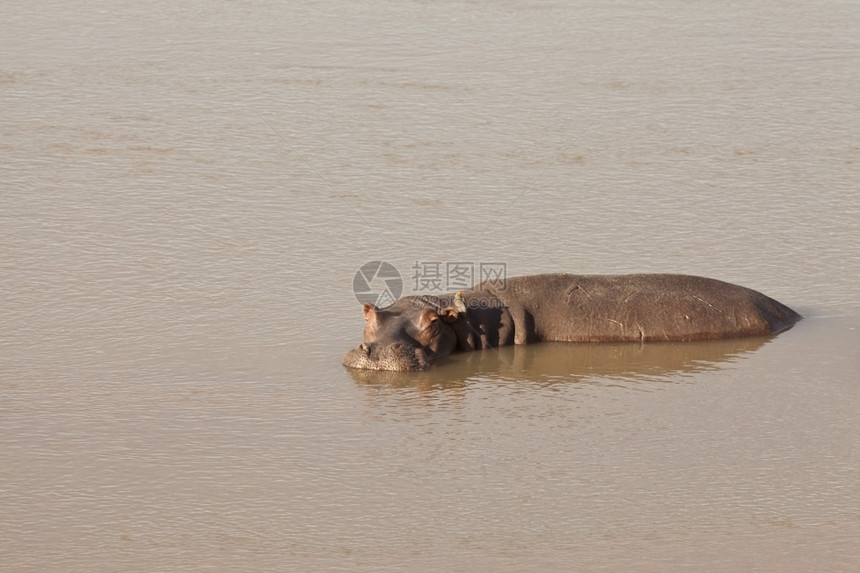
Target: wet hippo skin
416,331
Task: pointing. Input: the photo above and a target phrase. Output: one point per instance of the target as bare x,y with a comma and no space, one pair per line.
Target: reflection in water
559,362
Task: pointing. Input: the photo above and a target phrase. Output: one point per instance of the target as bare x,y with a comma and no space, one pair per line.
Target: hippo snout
368,348
396,356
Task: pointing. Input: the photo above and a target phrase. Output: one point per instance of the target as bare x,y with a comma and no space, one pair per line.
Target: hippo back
641,307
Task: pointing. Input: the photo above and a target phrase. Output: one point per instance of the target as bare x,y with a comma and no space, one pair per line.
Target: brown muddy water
187,190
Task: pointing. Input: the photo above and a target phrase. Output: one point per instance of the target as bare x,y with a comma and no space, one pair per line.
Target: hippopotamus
417,331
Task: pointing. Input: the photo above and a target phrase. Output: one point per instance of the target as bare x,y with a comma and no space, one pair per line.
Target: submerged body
417,330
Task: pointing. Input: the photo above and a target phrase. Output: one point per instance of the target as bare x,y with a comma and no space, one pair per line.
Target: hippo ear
449,314
369,311
426,316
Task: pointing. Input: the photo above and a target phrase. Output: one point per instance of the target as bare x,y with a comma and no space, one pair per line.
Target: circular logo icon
378,283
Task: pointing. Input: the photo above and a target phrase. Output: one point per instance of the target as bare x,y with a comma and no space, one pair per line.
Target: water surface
188,189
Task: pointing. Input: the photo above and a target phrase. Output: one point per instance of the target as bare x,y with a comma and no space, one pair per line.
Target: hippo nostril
395,346
365,348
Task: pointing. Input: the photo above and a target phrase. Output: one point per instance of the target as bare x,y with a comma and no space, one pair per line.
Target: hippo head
408,335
